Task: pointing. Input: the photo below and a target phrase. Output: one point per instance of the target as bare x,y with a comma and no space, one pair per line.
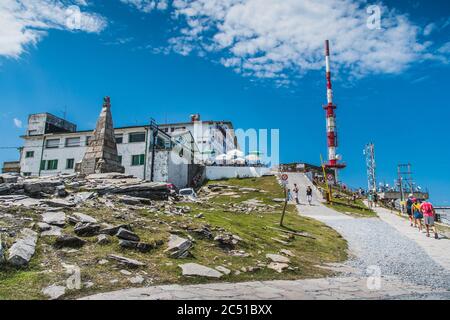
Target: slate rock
112,231
278,267
23,249
86,229
66,241
178,247
103,239
142,247
277,258
223,270
57,218
127,235
81,217
54,292
194,269
126,261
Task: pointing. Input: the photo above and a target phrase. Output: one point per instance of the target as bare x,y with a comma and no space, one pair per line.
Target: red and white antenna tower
332,141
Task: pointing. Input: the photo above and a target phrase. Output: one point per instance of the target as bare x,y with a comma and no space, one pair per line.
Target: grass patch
254,227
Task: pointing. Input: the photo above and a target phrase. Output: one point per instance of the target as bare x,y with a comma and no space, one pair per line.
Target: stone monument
101,154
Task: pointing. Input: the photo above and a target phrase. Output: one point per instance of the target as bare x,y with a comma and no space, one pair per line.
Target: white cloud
25,22
147,5
445,48
17,123
429,29
270,38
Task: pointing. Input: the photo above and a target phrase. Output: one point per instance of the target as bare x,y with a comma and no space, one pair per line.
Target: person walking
417,213
429,213
375,199
309,194
289,195
296,190
409,204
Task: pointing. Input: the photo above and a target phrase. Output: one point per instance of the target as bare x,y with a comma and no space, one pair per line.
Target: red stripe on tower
331,117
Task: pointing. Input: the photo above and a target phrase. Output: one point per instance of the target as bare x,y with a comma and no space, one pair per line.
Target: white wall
219,172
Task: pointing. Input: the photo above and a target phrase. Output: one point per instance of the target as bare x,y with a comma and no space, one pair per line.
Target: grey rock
103,239
277,258
81,217
42,226
137,280
57,218
53,231
127,235
66,241
223,270
194,269
203,233
2,252
23,249
5,189
278,267
134,200
86,229
287,252
60,191
142,247
125,272
126,261
59,203
112,231
36,186
178,247
54,292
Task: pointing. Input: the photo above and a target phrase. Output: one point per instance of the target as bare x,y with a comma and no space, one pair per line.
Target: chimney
195,117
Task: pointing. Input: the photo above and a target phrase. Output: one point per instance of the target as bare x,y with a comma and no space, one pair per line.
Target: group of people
295,192
372,199
418,210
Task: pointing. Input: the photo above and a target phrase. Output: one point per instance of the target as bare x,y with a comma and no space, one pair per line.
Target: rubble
23,249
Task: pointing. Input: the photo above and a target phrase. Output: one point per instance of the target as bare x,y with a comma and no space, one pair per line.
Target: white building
53,146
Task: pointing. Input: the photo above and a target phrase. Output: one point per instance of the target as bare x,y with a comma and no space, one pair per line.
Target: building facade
54,146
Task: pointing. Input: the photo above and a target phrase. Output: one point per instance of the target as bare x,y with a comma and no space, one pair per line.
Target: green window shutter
134,160
70,163
43,165
52,164
141,159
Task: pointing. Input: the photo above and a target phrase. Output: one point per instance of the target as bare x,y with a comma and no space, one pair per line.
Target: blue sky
256,63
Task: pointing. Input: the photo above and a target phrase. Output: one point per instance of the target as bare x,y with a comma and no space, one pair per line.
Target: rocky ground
112,231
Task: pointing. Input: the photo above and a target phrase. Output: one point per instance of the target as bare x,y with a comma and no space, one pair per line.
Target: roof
127,127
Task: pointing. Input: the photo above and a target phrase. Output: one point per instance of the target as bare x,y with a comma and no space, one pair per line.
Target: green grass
358,209
255,228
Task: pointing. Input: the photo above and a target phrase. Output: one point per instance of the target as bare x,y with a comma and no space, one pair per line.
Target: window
137,160
120,159
88,139
52,143
70,163
26,174
32,132
49,165
73,142
119,138
29,154
137,137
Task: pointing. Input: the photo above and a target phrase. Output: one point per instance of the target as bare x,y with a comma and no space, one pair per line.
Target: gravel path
376,243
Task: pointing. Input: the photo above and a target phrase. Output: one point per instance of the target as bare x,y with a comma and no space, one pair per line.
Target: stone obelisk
101,154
